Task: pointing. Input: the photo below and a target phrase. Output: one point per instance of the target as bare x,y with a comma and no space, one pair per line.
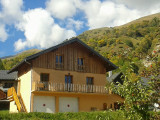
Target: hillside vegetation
10,62
134,42
1,65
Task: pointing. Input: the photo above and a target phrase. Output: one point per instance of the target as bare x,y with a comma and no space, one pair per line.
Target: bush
129,43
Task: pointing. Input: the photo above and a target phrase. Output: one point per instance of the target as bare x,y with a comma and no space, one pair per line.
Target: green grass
107,115
4,115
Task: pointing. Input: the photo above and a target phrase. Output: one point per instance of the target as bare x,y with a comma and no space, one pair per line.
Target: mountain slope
11,61
130,42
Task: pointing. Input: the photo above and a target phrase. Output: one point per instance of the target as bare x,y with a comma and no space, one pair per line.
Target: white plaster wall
25,89
13,107
44,104
68,104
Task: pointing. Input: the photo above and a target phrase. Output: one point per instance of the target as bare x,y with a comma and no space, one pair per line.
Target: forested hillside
10,62
131,43
1,65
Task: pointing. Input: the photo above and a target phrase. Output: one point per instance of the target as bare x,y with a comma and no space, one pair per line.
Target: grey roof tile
5,76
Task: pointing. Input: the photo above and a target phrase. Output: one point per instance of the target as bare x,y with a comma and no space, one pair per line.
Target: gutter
27,62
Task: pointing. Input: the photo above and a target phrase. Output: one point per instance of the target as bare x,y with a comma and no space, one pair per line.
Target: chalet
69,77
7,80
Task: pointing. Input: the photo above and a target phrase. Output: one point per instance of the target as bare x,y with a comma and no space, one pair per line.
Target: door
44,79
89,82
68,83
44,104
68,104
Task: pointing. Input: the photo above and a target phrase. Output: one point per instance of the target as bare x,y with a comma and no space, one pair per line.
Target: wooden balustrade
62,87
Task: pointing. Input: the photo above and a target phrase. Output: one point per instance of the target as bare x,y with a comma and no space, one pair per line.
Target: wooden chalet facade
69,77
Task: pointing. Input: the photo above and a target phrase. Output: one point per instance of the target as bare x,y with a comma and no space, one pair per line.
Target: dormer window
80,64
59,61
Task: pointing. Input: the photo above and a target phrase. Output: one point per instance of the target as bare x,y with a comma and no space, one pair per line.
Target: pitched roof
66,42
5,76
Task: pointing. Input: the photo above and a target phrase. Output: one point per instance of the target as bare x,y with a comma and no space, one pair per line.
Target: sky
40,24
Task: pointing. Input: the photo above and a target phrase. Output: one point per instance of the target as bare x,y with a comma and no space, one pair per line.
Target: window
59,61
44,77
68,82
8,85
45,81
89,82
80,64
80,61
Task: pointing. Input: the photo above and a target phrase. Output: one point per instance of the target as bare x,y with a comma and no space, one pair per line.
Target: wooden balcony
62,87
59,66
80,68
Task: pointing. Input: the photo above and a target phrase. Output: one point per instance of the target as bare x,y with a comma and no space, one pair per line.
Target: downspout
31,81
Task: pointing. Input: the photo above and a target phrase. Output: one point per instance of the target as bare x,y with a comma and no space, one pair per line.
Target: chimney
110,73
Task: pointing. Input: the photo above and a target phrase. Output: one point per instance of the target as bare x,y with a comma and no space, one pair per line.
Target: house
115,78
6,81
69,77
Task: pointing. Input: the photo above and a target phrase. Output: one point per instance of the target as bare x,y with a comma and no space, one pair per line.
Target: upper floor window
59,61
80,64
44,77
44,81
68,82
89,82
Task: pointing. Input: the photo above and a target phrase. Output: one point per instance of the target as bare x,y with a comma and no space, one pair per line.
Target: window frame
59,61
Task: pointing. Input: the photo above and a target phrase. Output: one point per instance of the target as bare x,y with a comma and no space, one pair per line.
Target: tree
129,43
1,65
139,96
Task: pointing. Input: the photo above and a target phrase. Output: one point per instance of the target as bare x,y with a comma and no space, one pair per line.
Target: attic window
59,61
80,62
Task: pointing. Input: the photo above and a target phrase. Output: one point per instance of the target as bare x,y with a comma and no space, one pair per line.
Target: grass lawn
4,115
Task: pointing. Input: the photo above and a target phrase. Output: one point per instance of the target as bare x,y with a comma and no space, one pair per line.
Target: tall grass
4,115
106,115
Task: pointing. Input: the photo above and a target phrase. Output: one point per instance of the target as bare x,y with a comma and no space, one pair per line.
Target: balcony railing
62,87
59,66
80,68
